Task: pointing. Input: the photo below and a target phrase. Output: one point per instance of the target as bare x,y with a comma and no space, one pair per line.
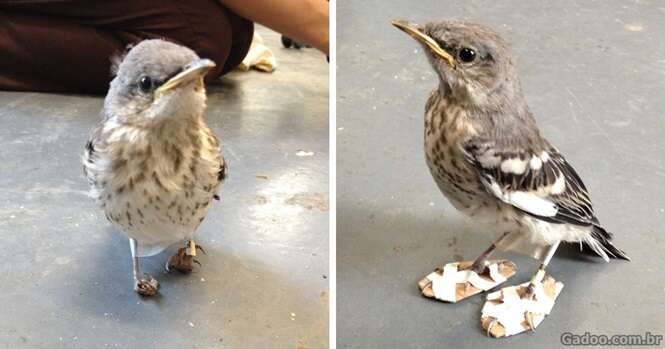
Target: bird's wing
540,183
90,155
223,170
221,175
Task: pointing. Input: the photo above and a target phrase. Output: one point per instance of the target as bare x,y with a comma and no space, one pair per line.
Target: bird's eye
467,55
145,83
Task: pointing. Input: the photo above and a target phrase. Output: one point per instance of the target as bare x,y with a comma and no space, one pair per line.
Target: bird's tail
599,241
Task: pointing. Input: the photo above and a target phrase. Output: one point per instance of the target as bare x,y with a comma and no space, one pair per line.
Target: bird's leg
183,260
483,278
540,273
535,299
537,278
192,247
146,286
480,263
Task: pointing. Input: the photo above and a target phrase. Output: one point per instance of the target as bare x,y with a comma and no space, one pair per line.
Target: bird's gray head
473,62
157,80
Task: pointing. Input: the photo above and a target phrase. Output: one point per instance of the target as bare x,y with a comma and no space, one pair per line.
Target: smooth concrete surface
65,276
594,75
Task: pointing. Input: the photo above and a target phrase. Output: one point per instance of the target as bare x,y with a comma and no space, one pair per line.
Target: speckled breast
445,130
157,190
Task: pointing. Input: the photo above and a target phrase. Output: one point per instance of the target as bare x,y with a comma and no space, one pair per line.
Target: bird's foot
183,261
528,292
516,309
457,281
146,286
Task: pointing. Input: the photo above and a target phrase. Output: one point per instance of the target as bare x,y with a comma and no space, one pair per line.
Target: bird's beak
195,70
417,34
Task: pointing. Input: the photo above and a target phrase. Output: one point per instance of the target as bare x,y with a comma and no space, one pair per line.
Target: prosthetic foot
183,261
457,281
516,309
146,286
460,280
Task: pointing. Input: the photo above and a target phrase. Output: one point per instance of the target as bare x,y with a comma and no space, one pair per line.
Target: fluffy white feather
514,165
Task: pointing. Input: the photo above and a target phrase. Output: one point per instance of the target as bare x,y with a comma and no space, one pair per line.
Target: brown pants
66,45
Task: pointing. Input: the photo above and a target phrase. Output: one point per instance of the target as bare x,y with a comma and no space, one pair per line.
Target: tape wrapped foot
457,281
146,286
516,309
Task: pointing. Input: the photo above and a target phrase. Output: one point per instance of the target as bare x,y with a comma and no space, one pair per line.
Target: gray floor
65,280
594,75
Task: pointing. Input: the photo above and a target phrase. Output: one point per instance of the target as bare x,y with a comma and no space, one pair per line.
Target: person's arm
303,20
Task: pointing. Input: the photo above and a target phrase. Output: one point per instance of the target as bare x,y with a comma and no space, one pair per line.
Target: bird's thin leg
146,286
191,251
191,248
536,279
480,263
540,273
135,260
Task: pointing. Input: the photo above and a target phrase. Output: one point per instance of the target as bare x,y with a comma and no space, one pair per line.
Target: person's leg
243,33
43,54
65,46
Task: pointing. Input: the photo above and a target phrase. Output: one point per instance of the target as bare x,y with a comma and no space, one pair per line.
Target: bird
152,163
488,157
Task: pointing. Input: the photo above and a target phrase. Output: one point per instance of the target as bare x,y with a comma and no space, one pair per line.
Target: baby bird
487,155
152,163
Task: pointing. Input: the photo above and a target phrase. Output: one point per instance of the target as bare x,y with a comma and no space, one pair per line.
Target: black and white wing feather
540,183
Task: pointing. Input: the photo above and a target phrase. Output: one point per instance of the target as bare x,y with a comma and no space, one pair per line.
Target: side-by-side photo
497,174
165,174
312,174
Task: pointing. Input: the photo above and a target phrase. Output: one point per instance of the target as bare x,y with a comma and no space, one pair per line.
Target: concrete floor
594,75
66,276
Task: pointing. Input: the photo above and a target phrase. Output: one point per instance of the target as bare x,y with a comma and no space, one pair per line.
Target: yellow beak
195,70
427,40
